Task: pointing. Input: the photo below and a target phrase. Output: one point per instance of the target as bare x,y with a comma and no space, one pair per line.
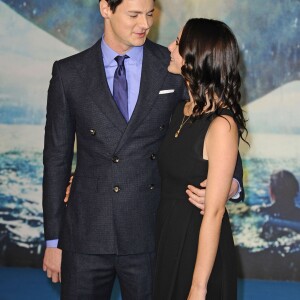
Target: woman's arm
221,149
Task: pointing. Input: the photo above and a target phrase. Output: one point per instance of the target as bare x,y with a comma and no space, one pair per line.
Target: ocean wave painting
36,33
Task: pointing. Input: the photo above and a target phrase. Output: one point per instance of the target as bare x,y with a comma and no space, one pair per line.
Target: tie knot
120,60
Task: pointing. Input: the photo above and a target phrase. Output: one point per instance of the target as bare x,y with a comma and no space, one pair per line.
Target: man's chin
139,42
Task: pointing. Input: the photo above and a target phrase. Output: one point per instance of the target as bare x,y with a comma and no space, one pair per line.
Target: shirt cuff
52,243
237,195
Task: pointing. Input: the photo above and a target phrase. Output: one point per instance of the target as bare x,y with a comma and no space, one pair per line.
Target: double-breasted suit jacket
116,188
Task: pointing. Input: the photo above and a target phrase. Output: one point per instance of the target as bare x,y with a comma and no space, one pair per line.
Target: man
117,97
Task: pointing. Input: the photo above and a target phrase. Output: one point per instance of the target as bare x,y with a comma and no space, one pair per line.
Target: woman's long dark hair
211,56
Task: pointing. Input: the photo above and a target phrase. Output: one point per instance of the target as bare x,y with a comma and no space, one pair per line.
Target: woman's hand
197,293
68,190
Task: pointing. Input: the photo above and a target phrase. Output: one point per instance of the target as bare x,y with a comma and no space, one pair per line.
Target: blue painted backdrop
35,33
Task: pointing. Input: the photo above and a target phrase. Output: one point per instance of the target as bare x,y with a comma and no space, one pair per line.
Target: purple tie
120,89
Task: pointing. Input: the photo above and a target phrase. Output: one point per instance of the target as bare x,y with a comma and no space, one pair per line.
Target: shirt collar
135,54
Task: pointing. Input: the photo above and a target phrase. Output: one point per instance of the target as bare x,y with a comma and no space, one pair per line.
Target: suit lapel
97,87
153,74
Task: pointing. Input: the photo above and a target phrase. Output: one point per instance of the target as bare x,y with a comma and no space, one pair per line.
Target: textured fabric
120,88
178,221
87,277
90,277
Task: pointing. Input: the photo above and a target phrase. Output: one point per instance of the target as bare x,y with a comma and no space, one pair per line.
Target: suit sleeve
57,154
238,175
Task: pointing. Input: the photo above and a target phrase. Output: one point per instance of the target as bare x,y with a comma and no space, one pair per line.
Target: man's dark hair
113,4
284,185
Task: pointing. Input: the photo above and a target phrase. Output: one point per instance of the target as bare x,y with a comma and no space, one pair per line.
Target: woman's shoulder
223,116
222,125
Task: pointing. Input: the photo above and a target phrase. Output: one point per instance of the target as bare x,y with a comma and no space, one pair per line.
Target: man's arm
57,159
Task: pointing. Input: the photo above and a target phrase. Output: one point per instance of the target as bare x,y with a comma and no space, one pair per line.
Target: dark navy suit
116,188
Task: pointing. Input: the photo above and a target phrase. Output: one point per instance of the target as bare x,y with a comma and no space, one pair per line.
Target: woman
195,254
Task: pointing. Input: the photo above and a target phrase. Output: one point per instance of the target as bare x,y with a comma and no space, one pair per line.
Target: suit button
151,186
116,189
115,159
153,156
162,127
92,132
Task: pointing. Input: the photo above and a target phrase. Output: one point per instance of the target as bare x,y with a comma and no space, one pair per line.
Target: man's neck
117,47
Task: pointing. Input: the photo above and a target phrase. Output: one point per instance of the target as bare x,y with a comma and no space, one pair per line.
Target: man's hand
197,195
234,188
68,190
52,263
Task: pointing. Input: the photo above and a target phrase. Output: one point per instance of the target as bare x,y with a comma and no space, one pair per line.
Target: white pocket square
166,92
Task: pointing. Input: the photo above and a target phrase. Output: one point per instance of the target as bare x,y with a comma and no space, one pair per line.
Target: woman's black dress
178,221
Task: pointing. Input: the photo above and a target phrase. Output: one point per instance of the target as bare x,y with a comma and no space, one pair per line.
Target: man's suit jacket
116,188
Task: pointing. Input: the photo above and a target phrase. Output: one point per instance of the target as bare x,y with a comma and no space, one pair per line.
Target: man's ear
104,9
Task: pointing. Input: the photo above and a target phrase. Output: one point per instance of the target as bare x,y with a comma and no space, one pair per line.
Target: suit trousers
91,277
